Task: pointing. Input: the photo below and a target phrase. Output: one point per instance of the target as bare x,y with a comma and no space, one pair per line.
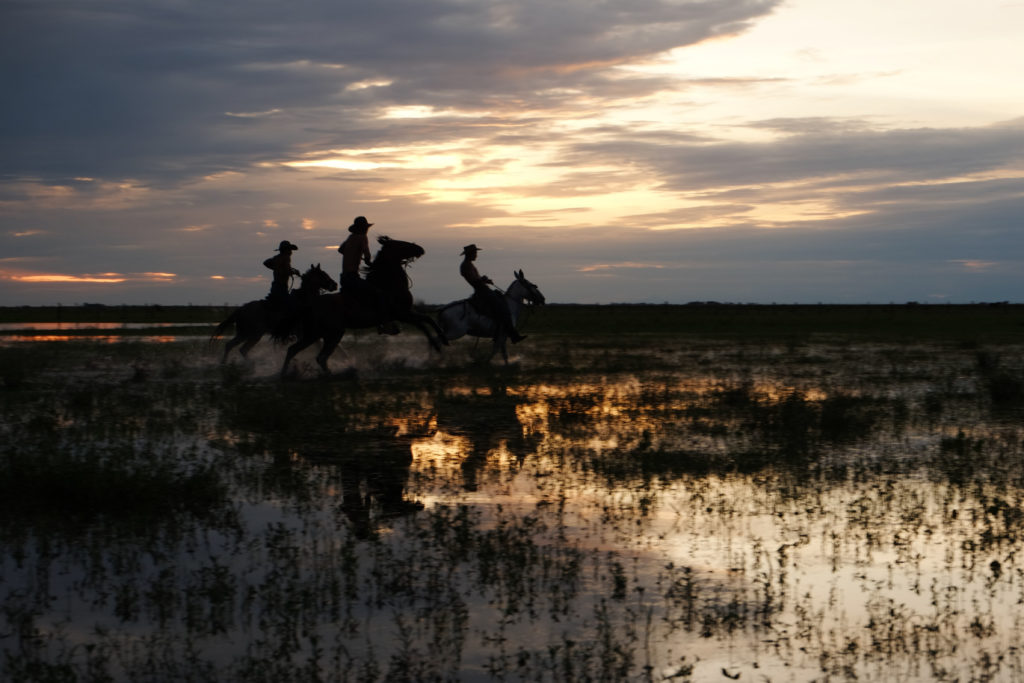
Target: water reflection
370,472
484,421
49,326
100,332
98,338
793,513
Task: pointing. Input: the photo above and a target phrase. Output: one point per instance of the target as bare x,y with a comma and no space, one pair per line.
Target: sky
745,151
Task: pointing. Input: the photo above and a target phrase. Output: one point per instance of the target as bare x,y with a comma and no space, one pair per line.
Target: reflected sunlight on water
100,338
96,332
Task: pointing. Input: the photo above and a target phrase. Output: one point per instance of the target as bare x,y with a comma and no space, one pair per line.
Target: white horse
460,318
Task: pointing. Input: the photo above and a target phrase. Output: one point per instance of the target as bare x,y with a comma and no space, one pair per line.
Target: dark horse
256,318
330,315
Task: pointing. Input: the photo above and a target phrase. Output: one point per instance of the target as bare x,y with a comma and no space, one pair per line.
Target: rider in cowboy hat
356,249
486,300
283,271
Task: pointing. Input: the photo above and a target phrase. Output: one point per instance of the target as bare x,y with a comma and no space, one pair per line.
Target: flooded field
643,507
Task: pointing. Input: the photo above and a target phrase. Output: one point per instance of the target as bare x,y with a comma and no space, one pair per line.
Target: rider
488,301
283,271
356,249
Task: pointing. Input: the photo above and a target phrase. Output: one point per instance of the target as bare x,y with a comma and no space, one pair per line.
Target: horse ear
383,238
518,274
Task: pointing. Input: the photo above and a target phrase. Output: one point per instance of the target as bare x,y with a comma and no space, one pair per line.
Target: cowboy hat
360,224
470,247
285,244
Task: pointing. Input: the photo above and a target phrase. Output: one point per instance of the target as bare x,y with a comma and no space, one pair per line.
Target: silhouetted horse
332,314
256,318
461,317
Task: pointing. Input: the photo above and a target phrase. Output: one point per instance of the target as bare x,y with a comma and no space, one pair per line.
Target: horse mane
305,276
383,266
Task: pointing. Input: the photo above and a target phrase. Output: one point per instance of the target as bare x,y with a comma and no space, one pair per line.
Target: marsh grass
660,508
33,484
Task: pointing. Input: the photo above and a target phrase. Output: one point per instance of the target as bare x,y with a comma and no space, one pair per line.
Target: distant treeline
966,323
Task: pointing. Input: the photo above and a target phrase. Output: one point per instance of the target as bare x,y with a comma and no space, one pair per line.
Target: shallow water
623,508
102,332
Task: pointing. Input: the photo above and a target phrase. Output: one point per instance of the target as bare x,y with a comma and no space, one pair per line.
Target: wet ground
610,508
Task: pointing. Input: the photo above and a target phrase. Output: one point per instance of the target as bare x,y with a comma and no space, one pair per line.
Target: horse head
316,279
397,251
531,294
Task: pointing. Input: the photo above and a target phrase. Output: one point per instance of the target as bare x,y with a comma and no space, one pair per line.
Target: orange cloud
622,264
975,265
88,278
55,277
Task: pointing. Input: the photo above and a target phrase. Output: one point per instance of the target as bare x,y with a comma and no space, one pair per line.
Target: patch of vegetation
58,484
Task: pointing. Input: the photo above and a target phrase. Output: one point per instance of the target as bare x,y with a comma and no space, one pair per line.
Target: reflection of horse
332,314
256,318
461,317
373,484
488,422
358,454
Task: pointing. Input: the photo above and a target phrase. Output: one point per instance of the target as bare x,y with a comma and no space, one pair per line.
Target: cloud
616,266
811,151
159,91
146,137
974,265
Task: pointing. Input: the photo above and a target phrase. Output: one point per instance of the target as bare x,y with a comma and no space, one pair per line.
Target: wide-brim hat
468,248
285,244
360,223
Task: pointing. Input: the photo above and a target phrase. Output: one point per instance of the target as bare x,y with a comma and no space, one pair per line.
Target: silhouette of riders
355,250
488,301
281,264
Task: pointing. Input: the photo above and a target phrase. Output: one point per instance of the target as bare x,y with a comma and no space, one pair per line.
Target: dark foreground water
635,508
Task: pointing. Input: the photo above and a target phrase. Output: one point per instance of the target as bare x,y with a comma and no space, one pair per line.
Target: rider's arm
366,250
473,276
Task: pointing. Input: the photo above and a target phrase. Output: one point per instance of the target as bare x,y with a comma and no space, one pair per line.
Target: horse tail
222,328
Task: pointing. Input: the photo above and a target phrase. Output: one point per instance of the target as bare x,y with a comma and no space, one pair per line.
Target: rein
528,311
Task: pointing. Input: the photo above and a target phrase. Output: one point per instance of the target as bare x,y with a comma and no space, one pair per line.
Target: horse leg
330,343
441,335
499,345
230,345
421,321
302,343
247,346
451,327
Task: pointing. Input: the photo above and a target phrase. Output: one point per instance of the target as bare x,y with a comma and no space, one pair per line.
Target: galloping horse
461,317
254,319
332,314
